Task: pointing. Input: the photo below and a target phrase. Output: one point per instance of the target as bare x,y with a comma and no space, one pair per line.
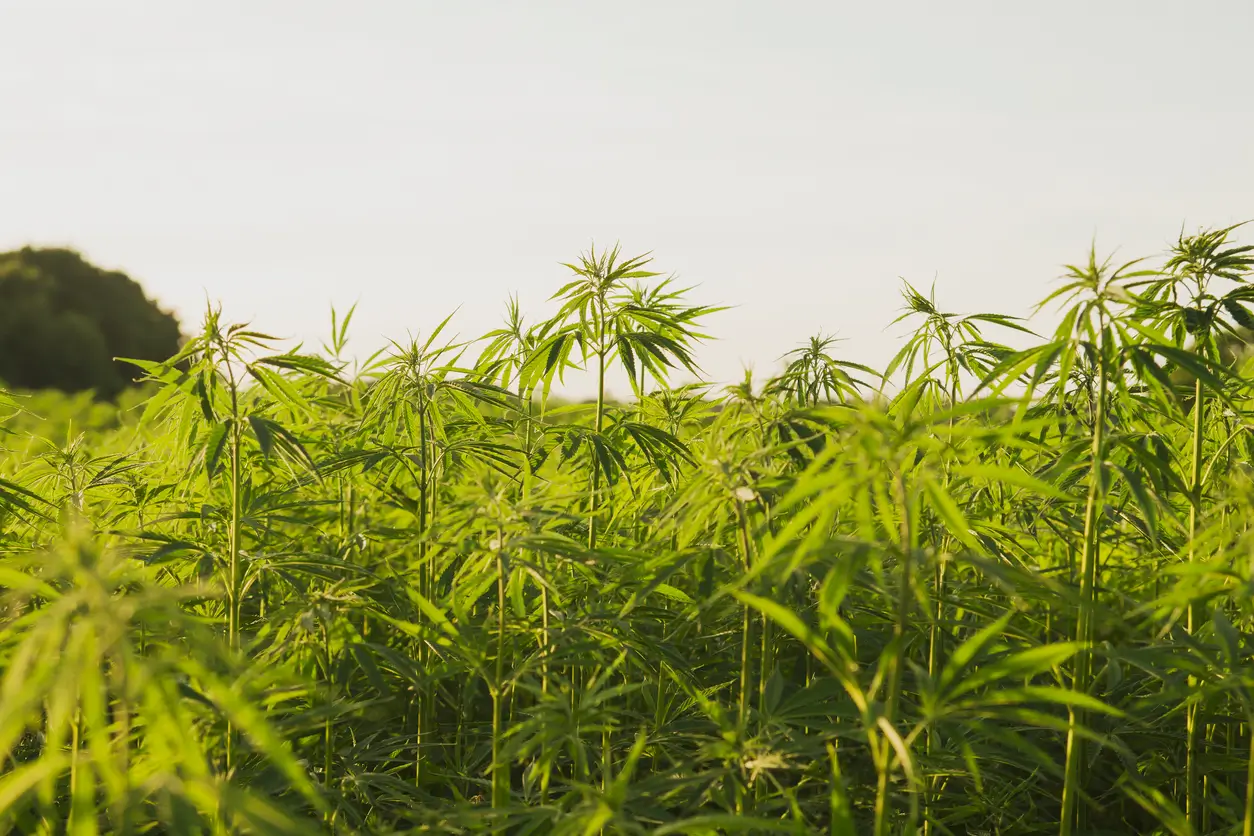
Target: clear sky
791,158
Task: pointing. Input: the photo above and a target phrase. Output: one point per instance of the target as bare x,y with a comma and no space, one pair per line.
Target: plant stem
500,789
1089,557
600,419
897,649
328,730
234,571
1248,819
424,469
746,637
1193,800
938,616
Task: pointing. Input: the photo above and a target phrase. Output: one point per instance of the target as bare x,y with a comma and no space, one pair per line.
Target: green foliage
63,321
989,590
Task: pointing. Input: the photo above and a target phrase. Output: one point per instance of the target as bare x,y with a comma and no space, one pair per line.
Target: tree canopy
64,321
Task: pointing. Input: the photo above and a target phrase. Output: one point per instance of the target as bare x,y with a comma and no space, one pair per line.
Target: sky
795,160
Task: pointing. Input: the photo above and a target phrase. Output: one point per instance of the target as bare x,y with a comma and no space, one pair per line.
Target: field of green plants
984,590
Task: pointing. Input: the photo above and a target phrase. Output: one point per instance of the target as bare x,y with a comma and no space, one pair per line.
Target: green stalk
1084,624
459,736
746,638
423,468
607,760
934,630
893,698
235,579
1193,795
500,789
765,664
1248,819
328,729
600,418
123,813
75,750
839,812
544,568
904,591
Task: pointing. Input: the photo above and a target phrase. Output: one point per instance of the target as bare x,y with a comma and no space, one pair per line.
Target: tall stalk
746,634
1193,796
595,501
892,699
500,775
938,611
1089,557
746,638
424,469
1247,818
235,580
328,728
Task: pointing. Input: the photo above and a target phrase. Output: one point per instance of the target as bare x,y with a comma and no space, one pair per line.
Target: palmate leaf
1012,369
550,359
947,509
1196,321
279,387
659,448
1214,377
272,436
655,353
1151,374
1011,322
970,650
484,393
839,668
1021,665
247,716
307,363
606,458
13,496
1208,254
500,456
262,430
1240,314
1015,477
204,387
215,445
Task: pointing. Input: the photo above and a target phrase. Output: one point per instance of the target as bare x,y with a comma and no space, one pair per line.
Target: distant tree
63,321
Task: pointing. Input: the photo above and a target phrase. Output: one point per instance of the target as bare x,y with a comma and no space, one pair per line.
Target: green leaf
812,641
215,446
708,823
261,429
945,507
1230,639
1012,476
1240,314
16,496
970,649
1021,665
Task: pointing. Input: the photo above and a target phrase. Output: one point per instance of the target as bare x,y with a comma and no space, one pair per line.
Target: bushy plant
990,590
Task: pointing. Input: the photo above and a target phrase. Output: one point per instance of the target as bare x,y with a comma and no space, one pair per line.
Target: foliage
63,321
988,590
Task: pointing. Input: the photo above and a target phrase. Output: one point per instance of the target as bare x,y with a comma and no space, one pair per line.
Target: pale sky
791,158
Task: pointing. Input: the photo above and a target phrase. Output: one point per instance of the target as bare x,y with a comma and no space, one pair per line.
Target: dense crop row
988,591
